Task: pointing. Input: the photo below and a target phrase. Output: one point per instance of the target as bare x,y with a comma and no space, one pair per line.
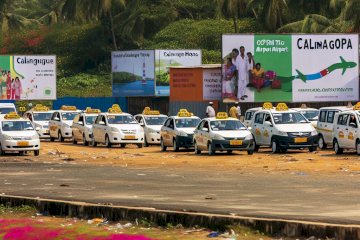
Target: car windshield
187,122
90,120
126,119
289,118
219,125
16,125
42,116
155,120
311,115
69,115
6,110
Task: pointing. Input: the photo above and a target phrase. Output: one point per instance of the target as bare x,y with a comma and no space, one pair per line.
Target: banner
211,84
297,68
28,77
133,73
171,58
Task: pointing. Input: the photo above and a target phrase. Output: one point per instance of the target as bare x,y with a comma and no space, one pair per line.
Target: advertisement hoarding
297,68
212,84
133,73
171,58
28,77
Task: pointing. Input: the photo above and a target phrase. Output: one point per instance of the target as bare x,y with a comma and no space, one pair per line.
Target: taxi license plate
47,131
300,140
22,144
233,142
129,137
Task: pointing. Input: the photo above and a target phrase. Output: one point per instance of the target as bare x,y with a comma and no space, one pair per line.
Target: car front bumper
289,142
153,138
12,145
44,133
185,141
120,138
225,145
66,132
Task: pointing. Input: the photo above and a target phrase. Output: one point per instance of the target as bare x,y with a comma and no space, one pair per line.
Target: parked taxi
311,114
40,117
82,126
151,121
222,133
18,134
117,127
178,131
61,121
282,129
249,115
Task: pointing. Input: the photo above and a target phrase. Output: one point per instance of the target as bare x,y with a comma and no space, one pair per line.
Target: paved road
333,199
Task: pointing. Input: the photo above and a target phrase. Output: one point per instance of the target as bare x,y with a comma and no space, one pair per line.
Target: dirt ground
294,161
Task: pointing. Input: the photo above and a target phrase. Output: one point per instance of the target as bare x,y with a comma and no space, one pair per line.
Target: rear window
322,116
249,115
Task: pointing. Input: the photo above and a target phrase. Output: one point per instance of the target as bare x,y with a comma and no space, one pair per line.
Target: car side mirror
56,119
267,123
102,123
81,123
37,129
142,124
353,125
205,129
249,128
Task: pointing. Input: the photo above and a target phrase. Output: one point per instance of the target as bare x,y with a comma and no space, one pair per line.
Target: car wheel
337,148
21,153
140,145
1,151
322,144
37,152
107,141
251,152
122,145
283,150
229,151
61,139
145,142
256,147
73,139
52,139
210,149
358,147
312,149
85,143
93,143
197,151
163,147
176,148
274,146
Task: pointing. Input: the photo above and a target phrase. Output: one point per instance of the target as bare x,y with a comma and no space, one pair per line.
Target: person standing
210,111
229,79
8,86
235,74
232,111
243,73
3,84
18,88
251,65
238,110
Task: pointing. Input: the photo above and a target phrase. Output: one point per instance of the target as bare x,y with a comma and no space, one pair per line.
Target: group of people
11,88
239,71
234,112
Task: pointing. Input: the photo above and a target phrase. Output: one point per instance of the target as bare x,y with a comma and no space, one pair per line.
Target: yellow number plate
300,140
47,131
233,142
22,144
129,137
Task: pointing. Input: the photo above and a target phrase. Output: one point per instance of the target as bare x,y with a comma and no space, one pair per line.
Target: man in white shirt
243,73
210,111
238,110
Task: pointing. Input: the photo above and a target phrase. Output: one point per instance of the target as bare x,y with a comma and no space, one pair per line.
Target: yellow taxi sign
357,106
282,107
12,115
40,108
184,113
22,109
147,111
222,115
183,110
89,110
38,105
267,105
68,108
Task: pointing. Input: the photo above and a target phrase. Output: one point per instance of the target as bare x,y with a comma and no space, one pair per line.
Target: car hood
233,134
42,123
301,127
187,130
155,127
68,122
20,133
126,126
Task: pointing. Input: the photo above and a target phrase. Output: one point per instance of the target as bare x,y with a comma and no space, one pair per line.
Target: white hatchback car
18,134
40,117
311,114
222,133
82,126
60,123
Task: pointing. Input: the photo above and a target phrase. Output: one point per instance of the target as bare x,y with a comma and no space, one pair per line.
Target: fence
137,104
102,103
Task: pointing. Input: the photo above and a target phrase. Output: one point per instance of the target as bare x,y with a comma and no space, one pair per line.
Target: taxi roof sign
357,106
12,115
68,108
89,110
222,115
184,113
115,109
282,107
147,111
267,105
41,108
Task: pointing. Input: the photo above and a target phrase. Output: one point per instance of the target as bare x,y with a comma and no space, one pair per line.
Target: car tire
322,144
145,142
1,151
274,146
358,147
37,152
85,143
176,148
73,139
251,152
197,151
210,149
312,149
337,148
107,141
229,151
283,150
122,145
61,139
163,147
140,145
256,147
21,153
52,139
93,143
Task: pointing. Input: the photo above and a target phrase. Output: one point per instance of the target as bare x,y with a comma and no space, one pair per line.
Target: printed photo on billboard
170,58
133,73
212,84
285,68
28,77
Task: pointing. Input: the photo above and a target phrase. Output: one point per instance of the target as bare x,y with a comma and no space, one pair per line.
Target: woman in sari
229,79
18,88
258,77
8,86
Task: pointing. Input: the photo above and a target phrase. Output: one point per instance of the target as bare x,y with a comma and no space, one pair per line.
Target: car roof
304,109
224,119
275,111
256,109
341,108
7,104
145,115
119,114
62,111
192,117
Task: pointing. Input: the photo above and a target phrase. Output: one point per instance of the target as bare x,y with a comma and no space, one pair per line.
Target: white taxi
283,129
60,123
151,121
311,114
249,115
18,134
6,108
82,126
40,117
116,127
347,130
222,133
178,131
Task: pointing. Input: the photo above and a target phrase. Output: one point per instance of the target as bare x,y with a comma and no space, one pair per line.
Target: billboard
297,68
28,77
170,58
212,84
133,73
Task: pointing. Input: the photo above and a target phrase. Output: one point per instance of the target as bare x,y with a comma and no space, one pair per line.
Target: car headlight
249,137
114,129
313,133
7,137
150,130
218,137
38,126
35,137
281,133
65,125
182,134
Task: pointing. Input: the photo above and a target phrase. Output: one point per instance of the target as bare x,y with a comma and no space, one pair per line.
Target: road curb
274,227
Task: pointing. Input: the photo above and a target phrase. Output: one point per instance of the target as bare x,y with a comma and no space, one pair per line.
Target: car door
267,129
165,133
102,129
329,126
198,135
75,127
80,126
95,128
321,125
352,131
342,129
258,125
53,125
207,134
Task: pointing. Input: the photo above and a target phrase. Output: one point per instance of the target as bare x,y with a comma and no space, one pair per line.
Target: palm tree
349,12
231,8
